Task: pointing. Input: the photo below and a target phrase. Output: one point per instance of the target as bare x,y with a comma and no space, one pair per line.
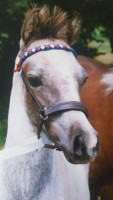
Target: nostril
96,149
78,145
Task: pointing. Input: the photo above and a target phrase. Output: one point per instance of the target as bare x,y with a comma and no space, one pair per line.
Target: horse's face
56,76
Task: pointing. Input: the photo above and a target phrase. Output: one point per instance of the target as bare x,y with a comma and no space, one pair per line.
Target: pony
97,94
50,77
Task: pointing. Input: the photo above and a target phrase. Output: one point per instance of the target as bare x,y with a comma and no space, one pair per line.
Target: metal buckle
42,117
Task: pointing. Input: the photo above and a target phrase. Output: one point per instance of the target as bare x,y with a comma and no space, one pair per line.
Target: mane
107,80
42,23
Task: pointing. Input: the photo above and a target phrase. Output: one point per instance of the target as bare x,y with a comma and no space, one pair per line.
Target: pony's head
54,77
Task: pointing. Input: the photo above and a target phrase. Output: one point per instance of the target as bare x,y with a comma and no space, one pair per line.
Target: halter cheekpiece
45,113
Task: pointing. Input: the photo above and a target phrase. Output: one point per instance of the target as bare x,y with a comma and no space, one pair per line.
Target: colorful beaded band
21,59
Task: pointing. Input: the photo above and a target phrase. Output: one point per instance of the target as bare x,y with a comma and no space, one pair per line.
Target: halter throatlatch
58,108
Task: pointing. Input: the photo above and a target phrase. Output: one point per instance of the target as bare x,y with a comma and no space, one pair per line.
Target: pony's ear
74,28
28,25
33,23
71,29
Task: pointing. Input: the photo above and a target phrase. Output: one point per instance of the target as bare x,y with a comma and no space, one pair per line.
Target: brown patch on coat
100,107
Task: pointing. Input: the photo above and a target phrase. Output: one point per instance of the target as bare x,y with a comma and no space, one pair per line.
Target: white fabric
26,147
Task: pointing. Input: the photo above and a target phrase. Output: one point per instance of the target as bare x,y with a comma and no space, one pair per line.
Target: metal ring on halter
42,116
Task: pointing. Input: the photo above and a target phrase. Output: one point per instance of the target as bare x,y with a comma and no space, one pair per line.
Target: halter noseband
61,107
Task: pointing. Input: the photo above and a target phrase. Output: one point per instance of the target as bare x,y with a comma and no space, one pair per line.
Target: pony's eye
34,81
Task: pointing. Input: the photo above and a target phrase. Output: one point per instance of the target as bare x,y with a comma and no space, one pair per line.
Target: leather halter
53,110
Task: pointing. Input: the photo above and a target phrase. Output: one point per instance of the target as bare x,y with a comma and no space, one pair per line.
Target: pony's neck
32,166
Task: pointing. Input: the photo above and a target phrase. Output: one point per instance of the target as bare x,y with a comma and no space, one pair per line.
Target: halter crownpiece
21,59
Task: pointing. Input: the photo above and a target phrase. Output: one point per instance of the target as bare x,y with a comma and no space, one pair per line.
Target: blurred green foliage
3,131
3,123
97,23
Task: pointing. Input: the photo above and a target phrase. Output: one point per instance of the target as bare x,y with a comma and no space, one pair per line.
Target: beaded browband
21,59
